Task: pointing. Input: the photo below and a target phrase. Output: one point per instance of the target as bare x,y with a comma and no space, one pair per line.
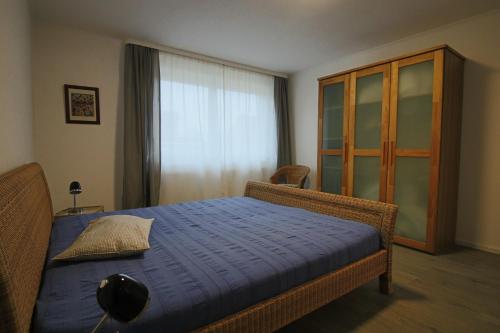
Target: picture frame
82,105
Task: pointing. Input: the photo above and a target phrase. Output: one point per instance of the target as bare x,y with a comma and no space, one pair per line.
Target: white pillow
108,237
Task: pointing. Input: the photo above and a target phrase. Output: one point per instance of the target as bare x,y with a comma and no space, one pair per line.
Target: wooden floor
457,292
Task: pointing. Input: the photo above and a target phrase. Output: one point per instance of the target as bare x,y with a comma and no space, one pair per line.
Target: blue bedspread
208,259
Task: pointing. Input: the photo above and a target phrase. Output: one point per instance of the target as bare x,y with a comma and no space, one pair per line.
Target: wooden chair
291,175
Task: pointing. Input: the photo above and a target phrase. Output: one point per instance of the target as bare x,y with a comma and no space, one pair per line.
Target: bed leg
385,283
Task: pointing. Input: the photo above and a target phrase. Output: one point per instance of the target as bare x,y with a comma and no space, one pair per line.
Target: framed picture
82,105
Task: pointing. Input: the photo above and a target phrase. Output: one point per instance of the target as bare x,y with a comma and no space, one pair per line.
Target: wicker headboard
25,224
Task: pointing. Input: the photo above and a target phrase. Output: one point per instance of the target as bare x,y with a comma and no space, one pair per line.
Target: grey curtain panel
282,121
141,181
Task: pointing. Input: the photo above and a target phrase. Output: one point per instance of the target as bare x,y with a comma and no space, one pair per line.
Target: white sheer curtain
218,129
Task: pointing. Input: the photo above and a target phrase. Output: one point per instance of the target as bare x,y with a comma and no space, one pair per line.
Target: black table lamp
75,188
122,298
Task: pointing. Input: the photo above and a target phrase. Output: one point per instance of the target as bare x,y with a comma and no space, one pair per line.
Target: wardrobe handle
346,147
392,152
384,151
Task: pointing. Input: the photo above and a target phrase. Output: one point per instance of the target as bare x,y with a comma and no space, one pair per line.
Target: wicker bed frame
26,219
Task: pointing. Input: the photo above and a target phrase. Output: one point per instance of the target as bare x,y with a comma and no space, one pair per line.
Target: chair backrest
293,174
25,225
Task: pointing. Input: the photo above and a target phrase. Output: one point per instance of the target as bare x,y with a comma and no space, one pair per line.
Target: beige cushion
289,185
109,236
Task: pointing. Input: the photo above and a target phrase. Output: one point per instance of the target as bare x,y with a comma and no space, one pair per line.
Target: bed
249,264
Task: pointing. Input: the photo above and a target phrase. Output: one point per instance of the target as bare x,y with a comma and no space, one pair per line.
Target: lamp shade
122,297
75,188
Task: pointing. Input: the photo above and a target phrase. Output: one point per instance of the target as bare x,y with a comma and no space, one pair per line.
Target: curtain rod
204,57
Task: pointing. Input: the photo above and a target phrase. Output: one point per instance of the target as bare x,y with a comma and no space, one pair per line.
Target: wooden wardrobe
390,132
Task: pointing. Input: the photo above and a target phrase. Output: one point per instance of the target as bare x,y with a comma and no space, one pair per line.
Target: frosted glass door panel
415,106
412,196
333,116
332,174
368,111
366,177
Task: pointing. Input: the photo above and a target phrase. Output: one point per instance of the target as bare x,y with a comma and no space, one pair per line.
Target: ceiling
280,35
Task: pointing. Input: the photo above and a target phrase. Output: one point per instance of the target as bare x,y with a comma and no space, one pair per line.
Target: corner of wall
16,116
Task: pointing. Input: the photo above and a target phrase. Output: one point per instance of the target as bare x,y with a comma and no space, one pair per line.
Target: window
218,129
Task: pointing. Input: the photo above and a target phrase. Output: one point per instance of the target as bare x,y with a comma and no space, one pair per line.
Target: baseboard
495,250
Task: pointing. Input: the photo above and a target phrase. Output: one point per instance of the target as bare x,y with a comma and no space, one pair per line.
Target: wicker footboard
279,311
274,313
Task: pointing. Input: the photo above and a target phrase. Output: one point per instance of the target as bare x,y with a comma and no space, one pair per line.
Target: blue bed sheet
208,259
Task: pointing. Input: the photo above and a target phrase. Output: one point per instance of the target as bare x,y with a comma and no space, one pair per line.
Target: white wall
16,140
478,40
91,154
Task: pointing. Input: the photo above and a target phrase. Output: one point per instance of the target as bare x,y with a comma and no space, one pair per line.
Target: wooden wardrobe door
332,134
414,147
368,132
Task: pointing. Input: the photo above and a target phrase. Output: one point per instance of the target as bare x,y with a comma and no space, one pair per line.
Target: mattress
208,259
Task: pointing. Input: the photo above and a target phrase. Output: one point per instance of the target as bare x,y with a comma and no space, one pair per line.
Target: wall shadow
473,159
